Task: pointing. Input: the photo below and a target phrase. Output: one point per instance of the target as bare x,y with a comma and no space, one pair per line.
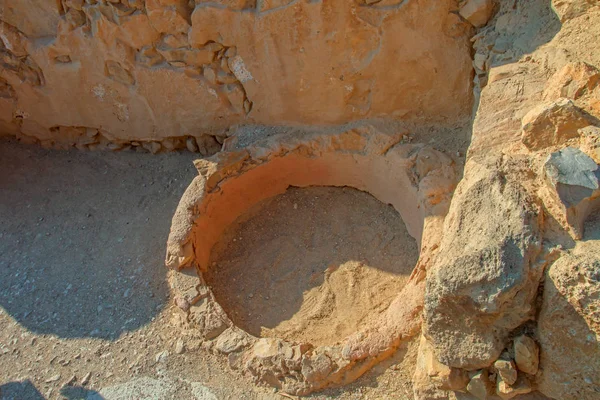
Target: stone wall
512,296
145,70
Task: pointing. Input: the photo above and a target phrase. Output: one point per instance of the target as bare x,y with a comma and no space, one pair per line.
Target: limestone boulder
432,379
569,326
477,12
506,391
232,340
481,386
507,370
574,80
527,354
485,278
573,178
553,123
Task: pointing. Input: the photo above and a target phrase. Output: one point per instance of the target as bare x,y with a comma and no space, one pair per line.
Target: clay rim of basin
415,179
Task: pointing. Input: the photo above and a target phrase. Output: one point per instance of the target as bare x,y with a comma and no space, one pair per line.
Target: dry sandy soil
312,265
85,309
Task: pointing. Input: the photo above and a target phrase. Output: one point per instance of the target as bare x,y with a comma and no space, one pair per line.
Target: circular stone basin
312,265
308,242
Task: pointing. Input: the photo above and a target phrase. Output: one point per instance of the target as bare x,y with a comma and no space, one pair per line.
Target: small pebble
162,356
179,347
86,378
53,378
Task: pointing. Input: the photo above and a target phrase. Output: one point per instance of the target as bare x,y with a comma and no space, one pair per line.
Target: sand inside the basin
312,265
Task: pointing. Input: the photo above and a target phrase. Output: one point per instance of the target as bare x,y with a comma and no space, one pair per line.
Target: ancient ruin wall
108,72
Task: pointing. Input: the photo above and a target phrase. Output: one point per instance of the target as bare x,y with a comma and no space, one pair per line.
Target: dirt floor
85,309
312,265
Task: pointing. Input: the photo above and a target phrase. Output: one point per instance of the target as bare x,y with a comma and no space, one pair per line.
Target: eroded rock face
150,70
541,136
569,326
573,81
485,278
569,9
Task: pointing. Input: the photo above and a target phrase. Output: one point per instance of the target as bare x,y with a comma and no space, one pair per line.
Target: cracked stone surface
150,71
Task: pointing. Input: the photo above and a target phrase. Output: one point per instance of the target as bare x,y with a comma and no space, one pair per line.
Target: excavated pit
312,265
305,248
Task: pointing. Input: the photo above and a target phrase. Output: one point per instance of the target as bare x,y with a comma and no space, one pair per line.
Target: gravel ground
85,310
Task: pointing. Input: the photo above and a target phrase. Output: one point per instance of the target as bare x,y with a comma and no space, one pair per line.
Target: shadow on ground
20,391
27,391
82,237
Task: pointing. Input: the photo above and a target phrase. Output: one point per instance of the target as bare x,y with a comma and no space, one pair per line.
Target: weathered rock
477,12
507,391
236,96
208,145
179,347
506,370
31,17
317,367
569,9
86,378
13,40
479,61
111,46
266,347
486,269
231,340
117,72
552,124
175,41
527,354
198,57
53,378
481,386
267,361
208,317
162,356
191,144
75,18
6,90
569,326
148,56
590,142
573,173
574,180
153,147
572,81
171,18
432,378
